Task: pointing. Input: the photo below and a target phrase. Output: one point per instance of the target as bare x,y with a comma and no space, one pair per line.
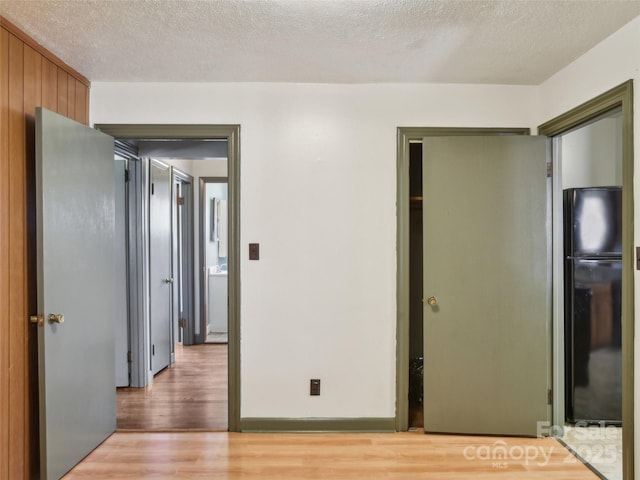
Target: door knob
168,280
37,319
56,318
432,301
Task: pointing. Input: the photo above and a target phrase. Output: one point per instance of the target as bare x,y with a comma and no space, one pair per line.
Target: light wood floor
193,395
346,456
189,395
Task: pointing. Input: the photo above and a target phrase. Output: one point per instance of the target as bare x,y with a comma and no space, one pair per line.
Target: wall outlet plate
254,251
314,388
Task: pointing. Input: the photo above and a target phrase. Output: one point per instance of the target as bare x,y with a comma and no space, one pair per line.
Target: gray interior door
486,285
160,278
76,278
121,315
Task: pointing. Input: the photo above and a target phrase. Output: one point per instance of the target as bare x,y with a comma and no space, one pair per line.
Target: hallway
189,395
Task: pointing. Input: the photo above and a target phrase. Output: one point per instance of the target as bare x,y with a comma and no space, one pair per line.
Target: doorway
607,120
230,134
409,249
486,284
214,258
589,161
162,404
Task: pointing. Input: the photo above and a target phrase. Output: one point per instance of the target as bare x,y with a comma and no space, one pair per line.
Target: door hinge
180,200
549,397
182,323
549,169
129,357
126,176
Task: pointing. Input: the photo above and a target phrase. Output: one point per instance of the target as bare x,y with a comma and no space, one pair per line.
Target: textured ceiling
320,41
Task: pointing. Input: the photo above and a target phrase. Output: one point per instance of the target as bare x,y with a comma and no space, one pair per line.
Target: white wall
318,192
592,154
608,64
200,168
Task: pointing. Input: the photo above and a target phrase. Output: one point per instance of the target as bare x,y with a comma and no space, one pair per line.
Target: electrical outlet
314,386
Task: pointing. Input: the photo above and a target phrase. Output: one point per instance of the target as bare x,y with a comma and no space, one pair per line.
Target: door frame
137,269
232,134
405,136
183,229
622,97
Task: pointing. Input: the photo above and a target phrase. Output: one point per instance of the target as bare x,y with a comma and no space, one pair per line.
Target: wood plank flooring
189,395
346,456
192,395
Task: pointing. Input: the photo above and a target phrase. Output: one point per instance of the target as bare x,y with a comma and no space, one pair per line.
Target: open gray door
76,290
486,285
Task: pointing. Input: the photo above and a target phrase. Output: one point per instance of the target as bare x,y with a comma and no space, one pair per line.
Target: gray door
160,279
486,285
121,313
76,278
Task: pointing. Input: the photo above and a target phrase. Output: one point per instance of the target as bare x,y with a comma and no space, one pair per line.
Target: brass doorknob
432,301
56,318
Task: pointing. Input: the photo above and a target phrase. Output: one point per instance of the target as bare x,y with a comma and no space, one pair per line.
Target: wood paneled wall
30,76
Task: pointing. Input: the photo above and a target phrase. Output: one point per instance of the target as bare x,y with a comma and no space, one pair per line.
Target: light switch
254,251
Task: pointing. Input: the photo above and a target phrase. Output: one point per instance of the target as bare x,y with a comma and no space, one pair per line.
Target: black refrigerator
593,281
